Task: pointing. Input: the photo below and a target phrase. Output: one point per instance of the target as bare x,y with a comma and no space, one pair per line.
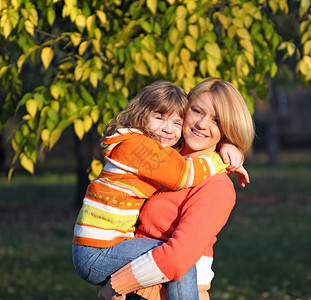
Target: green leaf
51,15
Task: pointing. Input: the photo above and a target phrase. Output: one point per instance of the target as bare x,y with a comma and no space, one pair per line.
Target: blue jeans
95,265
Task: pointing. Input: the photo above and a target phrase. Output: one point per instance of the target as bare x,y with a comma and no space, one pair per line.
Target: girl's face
201,129
167,127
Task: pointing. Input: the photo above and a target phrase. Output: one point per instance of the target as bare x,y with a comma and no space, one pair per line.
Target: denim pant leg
95,265
185,288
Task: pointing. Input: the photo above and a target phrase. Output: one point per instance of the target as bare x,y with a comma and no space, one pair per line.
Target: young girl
139,162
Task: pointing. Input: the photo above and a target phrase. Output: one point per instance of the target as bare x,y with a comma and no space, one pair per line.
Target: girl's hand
231,155
108,293
243,177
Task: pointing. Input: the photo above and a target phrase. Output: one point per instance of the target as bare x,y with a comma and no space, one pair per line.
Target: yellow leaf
83,47
87,123
247,20
212,66
223,20
29,27
213,50
147,56
101,16
3,70
79,128
304,65
191,6
141,68
173,35
181,14
86,74
203,67
80,22
31,107
78,72
194,31
273,5
45,135
55,91
14,145
188,84
90,23
247,45
75,38
27,163
171,58
180,72
307,48
250,58
152,5
94,79
47,55
55,135
291,48
95,114
304,5
243,33
7,29
171,2
96,45
20,62
181,25
96,167
231,31
190,43
185,56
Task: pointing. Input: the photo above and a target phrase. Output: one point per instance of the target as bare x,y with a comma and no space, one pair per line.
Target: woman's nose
202,123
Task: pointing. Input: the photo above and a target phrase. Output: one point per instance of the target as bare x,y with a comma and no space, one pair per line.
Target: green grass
262,253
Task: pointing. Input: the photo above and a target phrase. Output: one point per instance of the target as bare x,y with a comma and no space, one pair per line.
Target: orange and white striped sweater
136,168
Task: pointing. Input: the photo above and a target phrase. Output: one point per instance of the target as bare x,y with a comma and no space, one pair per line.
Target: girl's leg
95,265
185,288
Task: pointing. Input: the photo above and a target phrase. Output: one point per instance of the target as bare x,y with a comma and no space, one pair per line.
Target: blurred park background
67,67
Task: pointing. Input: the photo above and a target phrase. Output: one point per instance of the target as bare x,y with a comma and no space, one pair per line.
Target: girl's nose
168,127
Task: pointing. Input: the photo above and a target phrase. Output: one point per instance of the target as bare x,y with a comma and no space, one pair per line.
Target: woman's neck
188,153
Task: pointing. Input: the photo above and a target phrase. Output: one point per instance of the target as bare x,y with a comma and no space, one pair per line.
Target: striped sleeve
199,168
140,273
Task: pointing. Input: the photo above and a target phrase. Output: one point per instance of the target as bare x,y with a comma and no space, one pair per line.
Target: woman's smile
201,129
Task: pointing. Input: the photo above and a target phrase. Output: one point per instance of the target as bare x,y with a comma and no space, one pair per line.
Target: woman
192,217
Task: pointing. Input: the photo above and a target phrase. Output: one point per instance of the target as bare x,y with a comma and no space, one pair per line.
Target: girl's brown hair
160,96
235,120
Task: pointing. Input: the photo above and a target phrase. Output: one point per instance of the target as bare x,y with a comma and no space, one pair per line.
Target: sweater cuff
140,273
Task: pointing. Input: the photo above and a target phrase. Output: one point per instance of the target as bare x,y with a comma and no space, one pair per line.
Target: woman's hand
108,293
231,155
243,177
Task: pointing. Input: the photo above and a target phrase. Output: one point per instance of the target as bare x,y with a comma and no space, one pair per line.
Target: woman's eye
178,123
196,111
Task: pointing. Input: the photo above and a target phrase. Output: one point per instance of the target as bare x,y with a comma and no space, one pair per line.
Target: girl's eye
178,123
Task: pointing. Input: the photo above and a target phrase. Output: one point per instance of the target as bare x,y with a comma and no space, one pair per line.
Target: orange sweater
189,224
137,167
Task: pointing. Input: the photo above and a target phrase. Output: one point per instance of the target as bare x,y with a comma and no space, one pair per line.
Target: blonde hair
234,117
160,96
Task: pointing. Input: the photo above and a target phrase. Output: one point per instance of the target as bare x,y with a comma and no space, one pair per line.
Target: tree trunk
2,157
273,134
85,152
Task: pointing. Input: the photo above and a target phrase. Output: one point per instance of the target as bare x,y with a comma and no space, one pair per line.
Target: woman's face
201,129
